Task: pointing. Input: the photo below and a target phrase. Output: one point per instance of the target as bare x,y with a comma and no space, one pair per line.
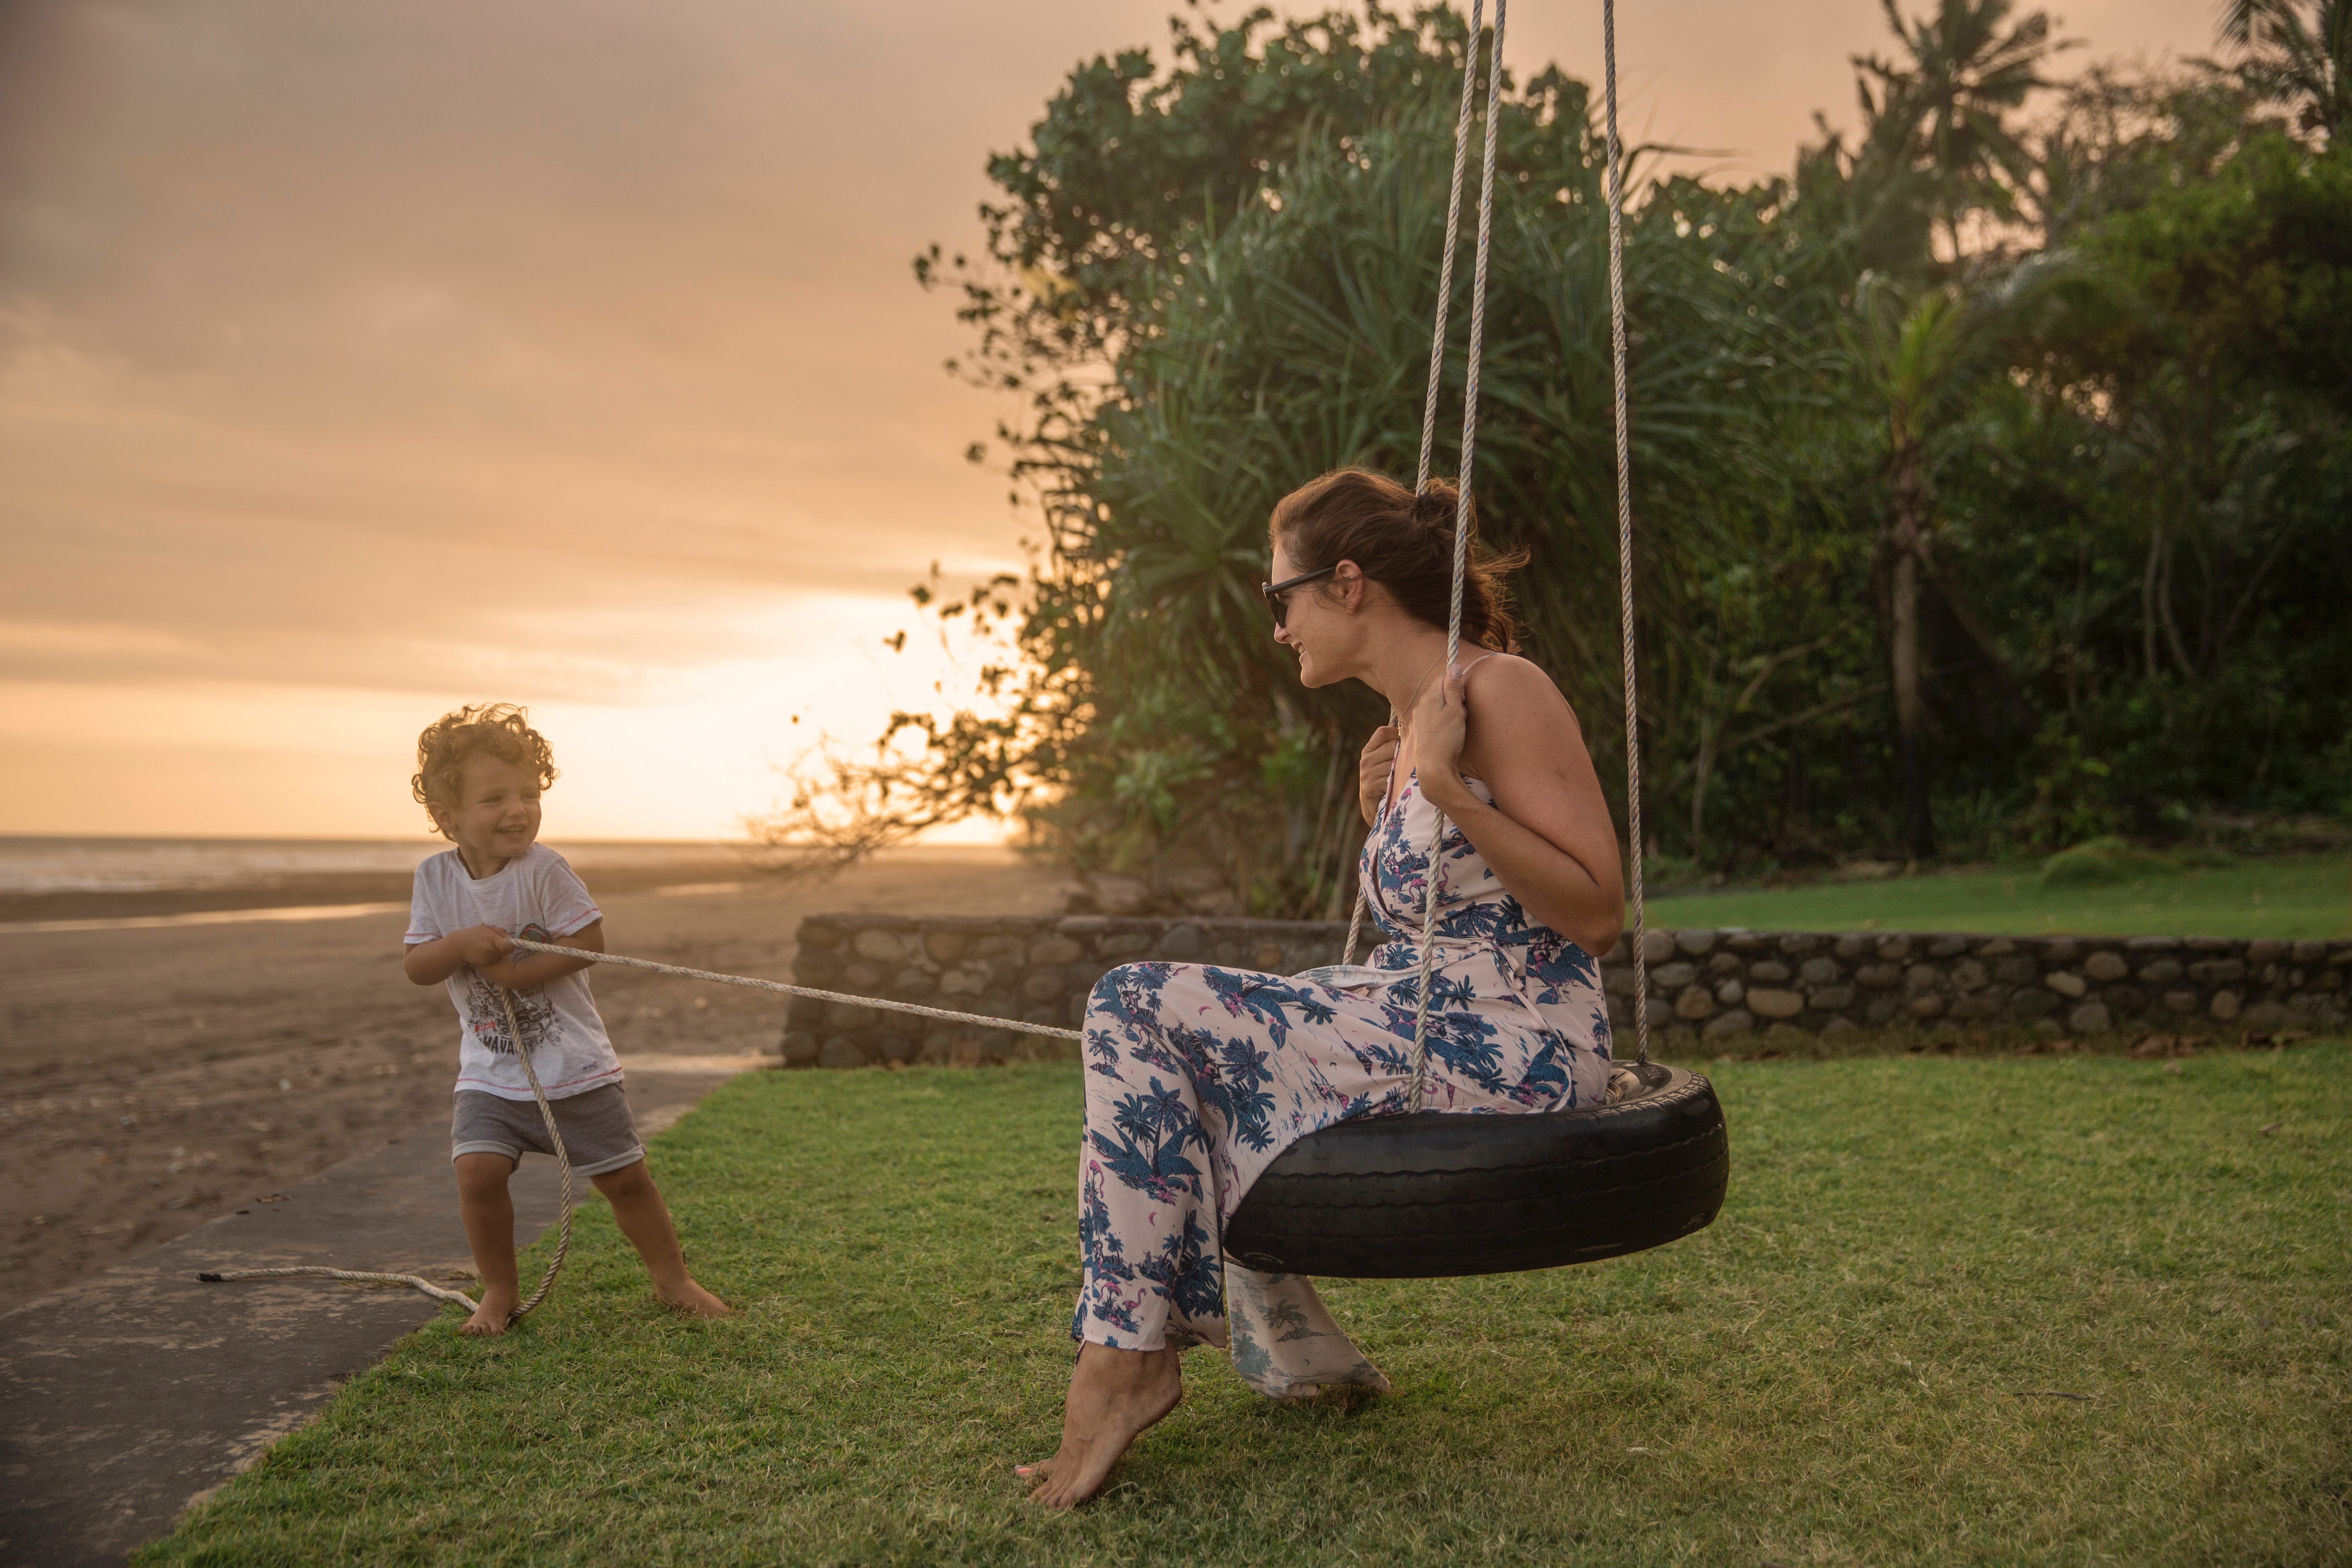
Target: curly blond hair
501,730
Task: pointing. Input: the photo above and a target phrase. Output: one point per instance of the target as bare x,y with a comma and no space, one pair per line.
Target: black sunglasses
1278,594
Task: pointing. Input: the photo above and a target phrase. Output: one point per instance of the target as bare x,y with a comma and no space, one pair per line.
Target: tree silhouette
1943,111
2285,58
1925,355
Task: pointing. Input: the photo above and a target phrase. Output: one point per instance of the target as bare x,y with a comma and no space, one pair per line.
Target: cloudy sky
361,358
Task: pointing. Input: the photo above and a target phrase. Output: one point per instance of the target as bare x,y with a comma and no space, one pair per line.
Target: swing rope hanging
1429,1193
1467,476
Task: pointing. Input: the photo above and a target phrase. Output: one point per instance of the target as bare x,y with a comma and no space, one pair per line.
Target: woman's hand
1440,727
1375,764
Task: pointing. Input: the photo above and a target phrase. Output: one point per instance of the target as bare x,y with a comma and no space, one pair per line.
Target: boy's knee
481,1175
631,1181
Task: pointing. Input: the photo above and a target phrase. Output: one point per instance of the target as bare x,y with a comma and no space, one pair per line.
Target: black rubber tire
1438,1194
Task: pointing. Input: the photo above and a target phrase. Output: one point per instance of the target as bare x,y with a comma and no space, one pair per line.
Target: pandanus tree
1162,729
1213,274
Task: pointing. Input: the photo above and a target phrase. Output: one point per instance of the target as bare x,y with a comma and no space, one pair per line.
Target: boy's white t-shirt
559,1021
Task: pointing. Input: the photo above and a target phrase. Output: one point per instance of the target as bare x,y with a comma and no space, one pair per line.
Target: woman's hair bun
1404,541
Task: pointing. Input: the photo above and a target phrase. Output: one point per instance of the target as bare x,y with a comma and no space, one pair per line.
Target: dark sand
156,1077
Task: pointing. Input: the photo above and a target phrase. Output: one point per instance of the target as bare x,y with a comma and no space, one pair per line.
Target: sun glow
693,752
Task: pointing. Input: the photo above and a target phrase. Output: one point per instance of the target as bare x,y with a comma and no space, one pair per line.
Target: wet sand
158,1076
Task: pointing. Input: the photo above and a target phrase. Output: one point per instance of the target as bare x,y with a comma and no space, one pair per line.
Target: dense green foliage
1992,475
2084,1310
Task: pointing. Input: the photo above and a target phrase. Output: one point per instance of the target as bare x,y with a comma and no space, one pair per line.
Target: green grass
1862,1362
2287,895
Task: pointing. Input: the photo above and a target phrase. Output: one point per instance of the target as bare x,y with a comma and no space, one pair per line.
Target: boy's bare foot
694,1301
491,1317
1114,1396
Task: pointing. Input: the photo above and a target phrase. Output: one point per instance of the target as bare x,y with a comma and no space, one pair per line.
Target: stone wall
1704,984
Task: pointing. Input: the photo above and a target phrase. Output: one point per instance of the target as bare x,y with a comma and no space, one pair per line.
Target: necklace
1401,710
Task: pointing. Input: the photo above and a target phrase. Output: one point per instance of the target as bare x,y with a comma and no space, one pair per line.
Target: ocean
41,864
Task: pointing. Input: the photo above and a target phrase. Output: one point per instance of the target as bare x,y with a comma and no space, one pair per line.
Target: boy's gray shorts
598,1131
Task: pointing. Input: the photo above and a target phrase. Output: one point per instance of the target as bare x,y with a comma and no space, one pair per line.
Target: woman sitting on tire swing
1197,1077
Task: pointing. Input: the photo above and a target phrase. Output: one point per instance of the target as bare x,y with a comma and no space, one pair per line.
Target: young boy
479,772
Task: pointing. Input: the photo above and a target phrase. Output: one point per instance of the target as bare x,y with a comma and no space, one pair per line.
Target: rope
1436,372
1626,530
778,985
563,1160
1453,238
1461,528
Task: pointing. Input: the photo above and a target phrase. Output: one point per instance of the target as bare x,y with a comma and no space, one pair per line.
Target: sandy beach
162,1074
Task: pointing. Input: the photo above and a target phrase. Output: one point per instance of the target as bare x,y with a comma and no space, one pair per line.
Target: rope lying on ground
563,1160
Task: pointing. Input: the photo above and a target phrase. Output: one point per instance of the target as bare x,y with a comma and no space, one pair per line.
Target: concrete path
126,1397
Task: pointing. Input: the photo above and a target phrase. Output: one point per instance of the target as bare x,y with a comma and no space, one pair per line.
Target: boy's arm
522,971
431,963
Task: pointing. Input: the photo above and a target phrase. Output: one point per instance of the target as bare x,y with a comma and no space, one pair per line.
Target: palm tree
1945,108
2285,59
1925,355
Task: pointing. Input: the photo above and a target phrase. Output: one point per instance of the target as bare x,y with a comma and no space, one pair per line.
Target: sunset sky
358,360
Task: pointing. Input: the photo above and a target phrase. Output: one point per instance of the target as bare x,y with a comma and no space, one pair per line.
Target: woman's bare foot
1114,1396
491,1317
694,1301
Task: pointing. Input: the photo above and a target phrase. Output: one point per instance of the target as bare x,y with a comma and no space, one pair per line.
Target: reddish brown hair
1405,543
498,730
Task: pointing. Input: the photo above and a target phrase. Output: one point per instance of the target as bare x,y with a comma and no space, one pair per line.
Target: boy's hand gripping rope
563,1160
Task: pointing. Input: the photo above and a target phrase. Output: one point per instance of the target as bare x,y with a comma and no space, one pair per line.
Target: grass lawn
2082,1310
2291,897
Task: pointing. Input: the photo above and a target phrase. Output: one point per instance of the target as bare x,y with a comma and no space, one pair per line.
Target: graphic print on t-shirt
533,1012
535,896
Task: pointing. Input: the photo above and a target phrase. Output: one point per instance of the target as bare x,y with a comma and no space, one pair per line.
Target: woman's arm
1374,764
1549,835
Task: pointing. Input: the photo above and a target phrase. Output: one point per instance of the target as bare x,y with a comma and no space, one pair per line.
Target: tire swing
1432,1194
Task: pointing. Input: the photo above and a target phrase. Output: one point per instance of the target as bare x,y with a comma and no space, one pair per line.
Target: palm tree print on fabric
1198,1077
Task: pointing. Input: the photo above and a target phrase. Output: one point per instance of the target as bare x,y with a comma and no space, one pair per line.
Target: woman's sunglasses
1278,594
